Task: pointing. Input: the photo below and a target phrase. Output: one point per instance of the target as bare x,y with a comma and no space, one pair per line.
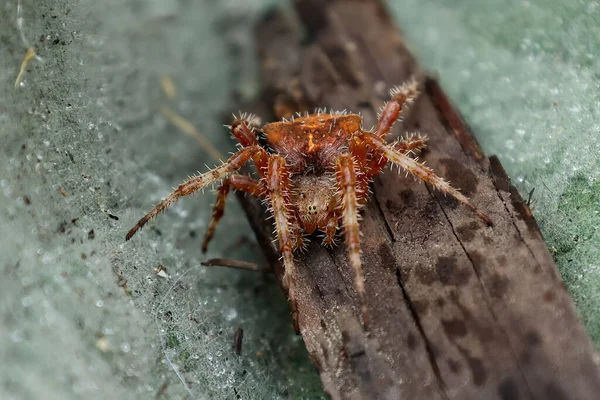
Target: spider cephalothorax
315,176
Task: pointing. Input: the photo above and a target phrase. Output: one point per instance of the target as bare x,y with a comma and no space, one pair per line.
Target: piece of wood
457,310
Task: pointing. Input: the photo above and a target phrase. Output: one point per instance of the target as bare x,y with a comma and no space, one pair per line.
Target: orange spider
315,176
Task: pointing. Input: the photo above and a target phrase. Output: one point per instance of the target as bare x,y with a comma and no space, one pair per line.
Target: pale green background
524,73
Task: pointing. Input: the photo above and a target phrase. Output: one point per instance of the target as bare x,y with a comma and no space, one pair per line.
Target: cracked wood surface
457,310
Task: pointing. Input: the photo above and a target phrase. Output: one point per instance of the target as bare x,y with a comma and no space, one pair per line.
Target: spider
315,175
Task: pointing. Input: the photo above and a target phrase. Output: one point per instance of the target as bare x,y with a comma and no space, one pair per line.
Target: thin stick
237,341
226,262
188,128
28,56
168,87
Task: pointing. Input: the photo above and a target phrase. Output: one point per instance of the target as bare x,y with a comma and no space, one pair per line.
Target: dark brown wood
227,262
237,341
457,310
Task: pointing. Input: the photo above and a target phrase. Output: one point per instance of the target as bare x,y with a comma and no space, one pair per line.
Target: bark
457,310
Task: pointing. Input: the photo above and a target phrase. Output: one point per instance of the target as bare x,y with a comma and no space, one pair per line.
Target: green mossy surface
525,76
82,313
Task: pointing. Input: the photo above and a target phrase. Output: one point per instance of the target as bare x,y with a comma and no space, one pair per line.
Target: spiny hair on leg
196,183
411,144
406,92
422,172
252,120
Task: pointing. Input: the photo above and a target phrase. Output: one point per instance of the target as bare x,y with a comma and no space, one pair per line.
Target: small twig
168,87
28,56
162,389
170,90
30,51
530,197
186,127
237,341
546,186
226,262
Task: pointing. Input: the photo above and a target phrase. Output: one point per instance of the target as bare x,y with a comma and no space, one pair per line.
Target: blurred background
89,145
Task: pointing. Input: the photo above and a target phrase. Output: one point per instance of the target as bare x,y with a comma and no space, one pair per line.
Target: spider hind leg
237,182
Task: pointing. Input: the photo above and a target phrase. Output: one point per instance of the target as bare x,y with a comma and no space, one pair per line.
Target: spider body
315,177
312,141
311,145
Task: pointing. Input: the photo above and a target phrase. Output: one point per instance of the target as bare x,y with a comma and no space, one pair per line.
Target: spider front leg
243,133
347,183
198,182
418,170
278,193
241,129
401,95
237,182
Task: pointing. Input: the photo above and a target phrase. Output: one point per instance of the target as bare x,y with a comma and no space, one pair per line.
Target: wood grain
457,310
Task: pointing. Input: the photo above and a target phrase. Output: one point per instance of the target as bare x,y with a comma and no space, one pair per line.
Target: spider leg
419,170
347,180
330,230
243,133
299,239
401,95
198,182
278,192
413,143
237,182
